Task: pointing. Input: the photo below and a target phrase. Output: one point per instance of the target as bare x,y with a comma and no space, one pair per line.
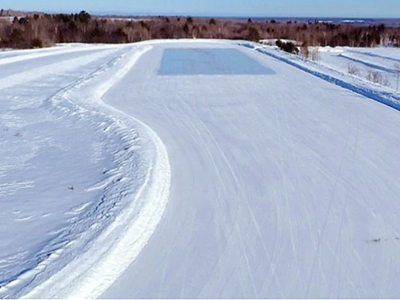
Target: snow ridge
135,193
373,66
375,55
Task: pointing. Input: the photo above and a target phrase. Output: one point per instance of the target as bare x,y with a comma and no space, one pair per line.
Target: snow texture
197,169
74,171
357,85
283,186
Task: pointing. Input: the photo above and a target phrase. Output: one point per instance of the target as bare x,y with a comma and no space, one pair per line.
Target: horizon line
199,15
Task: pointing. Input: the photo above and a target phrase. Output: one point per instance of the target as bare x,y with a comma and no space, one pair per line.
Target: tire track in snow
217,171
290,145
297,159
321,233
278,239
344,214
238,189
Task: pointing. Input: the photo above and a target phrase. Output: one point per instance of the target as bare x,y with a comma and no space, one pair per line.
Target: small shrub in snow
314,54
386,81
353,70
377,77
287,47
304,50
37,43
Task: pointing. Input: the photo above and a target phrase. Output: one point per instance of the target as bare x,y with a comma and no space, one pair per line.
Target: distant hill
10,12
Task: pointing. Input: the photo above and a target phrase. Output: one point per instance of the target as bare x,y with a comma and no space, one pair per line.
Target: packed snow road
283,185
192,169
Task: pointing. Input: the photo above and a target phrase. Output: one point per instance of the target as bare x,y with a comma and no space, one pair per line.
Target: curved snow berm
118,209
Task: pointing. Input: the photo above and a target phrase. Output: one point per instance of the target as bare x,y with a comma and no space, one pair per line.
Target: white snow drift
71,168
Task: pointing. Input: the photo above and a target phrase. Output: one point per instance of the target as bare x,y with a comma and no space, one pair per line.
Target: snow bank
9,57
130,197
92,273
358,86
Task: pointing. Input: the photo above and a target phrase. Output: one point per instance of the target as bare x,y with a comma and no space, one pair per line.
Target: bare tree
30,30
304,50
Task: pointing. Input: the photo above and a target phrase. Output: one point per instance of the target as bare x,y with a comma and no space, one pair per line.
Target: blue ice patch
210,61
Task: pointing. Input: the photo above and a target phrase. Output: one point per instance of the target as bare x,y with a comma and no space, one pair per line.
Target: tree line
40,30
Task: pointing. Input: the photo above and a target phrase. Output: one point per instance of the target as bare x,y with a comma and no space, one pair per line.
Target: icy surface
209,61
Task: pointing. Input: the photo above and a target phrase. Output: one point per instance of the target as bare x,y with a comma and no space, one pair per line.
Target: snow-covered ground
186,169
371,83
73,171
364,63
283,185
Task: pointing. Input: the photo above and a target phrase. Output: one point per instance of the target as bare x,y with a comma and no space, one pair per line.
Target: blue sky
272,8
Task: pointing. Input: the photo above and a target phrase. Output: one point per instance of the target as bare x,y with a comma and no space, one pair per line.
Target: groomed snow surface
186,169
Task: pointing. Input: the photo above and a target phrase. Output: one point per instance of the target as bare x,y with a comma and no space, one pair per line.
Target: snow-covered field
73,171
186,169
378,65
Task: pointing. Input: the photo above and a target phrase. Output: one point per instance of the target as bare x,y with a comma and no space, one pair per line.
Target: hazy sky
273,8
